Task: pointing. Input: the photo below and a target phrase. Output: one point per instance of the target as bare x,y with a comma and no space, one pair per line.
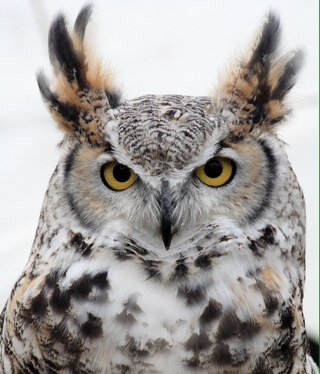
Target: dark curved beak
166,204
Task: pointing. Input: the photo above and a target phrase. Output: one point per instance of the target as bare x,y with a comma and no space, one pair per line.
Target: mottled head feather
80,86
255,89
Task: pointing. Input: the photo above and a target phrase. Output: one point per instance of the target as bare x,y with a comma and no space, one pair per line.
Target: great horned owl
172,234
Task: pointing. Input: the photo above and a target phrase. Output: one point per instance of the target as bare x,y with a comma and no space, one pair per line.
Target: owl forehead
163,133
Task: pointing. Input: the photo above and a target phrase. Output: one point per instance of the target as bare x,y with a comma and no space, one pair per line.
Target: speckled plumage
100,293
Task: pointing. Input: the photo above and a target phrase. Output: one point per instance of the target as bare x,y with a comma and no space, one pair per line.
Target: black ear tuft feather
268,42
113,98
82,20
44,88
288,78
68,112
61,51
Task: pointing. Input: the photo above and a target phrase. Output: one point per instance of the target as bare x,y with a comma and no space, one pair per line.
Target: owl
172,234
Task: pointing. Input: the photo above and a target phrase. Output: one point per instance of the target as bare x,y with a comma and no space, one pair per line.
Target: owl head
173,175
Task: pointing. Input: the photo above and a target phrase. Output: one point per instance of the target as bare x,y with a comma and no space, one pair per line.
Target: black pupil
121,173
213,168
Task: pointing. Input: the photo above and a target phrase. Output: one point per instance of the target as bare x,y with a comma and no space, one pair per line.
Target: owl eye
216,172
117,177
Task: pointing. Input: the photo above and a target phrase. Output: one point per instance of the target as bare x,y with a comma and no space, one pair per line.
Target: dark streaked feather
288,77
82,20
268,41
61,50
67,111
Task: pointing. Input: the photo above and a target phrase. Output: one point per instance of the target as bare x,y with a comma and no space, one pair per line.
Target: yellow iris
216,172
118,177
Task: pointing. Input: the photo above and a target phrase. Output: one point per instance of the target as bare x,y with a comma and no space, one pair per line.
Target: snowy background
155,47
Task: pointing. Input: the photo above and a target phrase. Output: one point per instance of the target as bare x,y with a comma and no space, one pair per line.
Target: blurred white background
155,47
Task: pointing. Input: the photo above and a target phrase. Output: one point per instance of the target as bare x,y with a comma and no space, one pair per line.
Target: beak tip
167,241
167,246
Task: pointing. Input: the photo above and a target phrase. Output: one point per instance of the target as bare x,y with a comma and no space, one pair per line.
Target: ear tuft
255,91
80,87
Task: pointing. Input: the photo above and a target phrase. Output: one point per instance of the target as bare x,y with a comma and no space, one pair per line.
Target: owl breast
100,310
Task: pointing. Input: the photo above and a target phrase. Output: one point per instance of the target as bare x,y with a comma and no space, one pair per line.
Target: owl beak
166,230
166,205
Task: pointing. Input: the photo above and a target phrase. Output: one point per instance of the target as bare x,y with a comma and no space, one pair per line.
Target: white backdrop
155,47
